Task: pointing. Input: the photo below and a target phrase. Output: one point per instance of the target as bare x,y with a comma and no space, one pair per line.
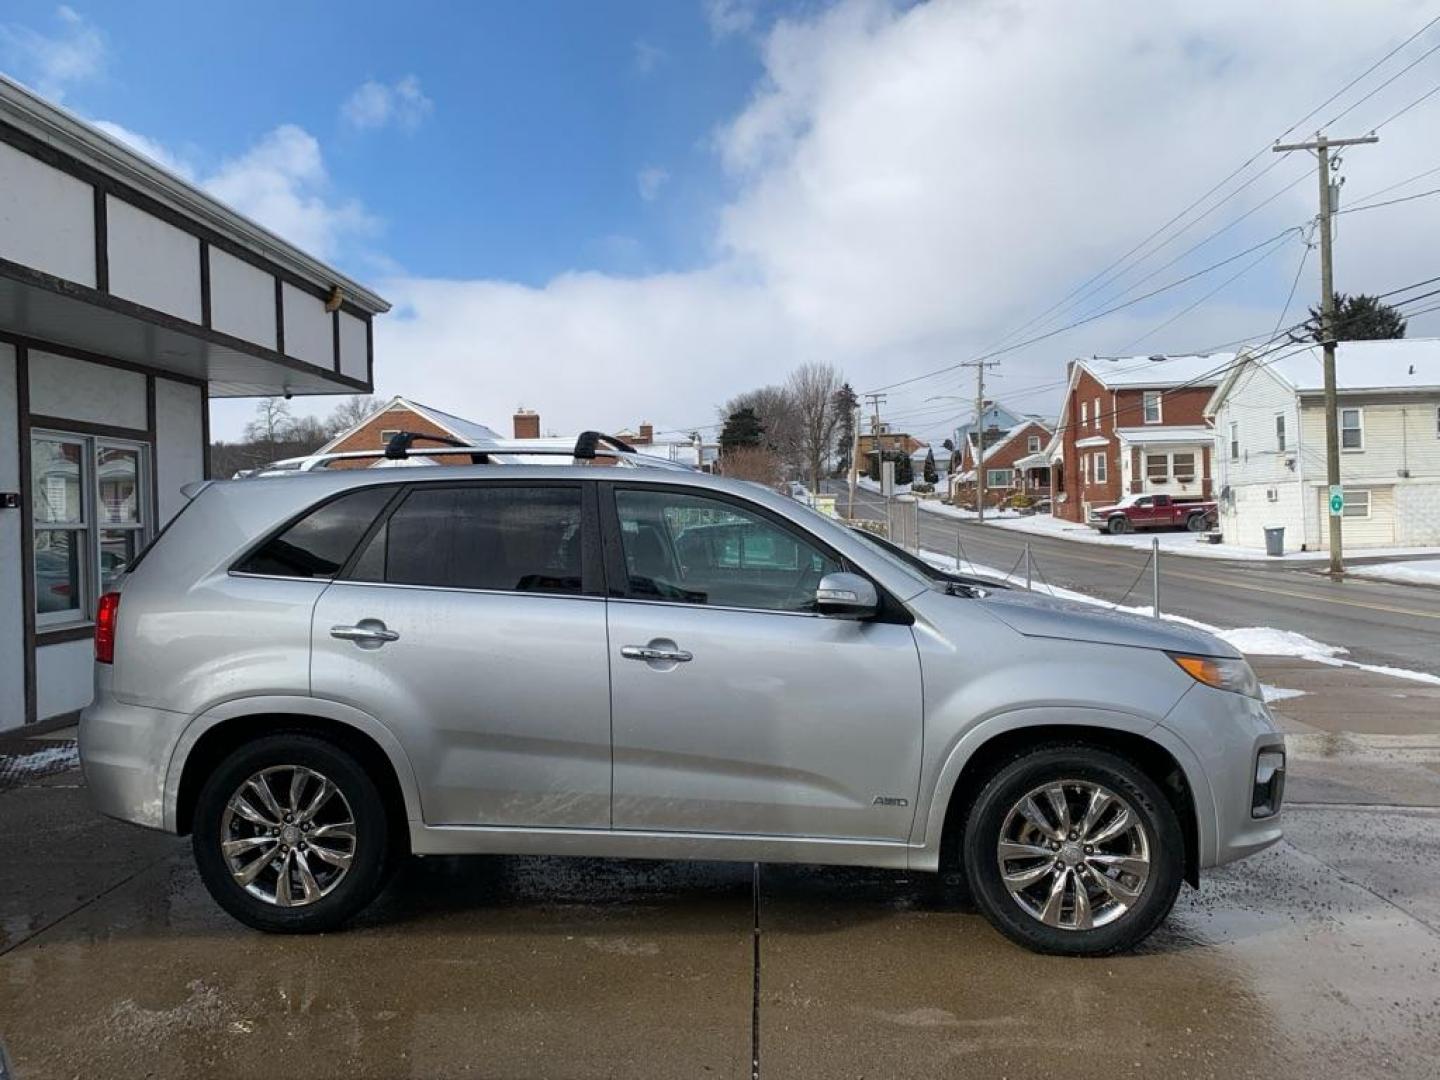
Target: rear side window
502,537
318,545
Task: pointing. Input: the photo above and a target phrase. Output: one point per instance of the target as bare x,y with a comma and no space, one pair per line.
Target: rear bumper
124,752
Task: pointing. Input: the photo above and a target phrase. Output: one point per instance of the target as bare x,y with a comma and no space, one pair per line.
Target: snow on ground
969,515
1172,542
1278,693
1418,571
39,762
1251,640
866,484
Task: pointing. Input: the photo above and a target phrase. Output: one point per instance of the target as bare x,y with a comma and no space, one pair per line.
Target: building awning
1033,461
1160,435
1094,442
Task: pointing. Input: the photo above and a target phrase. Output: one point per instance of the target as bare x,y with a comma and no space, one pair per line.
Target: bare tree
349,412
812,389
775,409
757,463
273,422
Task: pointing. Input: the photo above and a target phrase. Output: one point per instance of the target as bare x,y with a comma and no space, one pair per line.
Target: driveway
1318,957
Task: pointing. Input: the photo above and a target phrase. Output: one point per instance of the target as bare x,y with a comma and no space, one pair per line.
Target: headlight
1221,672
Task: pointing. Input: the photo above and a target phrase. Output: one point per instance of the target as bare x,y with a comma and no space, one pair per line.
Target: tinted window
318,544
499,536
705,551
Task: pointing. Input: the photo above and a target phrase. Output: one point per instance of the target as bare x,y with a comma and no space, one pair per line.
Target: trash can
1275,540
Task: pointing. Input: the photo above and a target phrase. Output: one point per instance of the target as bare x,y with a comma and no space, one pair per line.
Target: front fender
276,704
929,826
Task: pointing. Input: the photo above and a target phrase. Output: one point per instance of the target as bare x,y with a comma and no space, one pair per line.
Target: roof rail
400,447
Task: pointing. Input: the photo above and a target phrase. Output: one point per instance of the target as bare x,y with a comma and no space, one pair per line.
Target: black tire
1118,526
1009,784
374,843
1196,523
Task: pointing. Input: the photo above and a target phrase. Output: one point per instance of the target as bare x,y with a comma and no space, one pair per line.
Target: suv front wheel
1073,850
291,834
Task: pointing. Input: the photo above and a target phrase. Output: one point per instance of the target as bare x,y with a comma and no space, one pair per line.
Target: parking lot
1318,957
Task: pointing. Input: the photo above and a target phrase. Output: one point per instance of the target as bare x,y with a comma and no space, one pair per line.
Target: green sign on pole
1337,500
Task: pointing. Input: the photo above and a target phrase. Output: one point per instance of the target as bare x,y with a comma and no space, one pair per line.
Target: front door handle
367,633
652,654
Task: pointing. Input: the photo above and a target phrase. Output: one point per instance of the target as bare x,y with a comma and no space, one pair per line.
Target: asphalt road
1380,623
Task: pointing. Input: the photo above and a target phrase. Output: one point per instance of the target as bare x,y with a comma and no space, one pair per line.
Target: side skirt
623,844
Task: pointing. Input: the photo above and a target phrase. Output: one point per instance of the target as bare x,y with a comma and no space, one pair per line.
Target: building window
1280,432
1157,469
1182,467
1357,503
1084,415
91,515
1095,415
1101,467
1152,406
998,478
1352,430
386,434
1084,469
1032,444
1234,441
1437,421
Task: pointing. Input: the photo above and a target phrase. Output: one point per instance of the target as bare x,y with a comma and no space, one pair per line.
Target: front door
472,624
736,708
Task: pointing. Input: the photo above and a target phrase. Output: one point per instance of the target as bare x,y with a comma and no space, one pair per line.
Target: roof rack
589,446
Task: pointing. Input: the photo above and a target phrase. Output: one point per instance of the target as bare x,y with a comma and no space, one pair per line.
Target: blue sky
616,211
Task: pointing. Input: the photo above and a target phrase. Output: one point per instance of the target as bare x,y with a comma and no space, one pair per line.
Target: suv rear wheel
1073,850
291,834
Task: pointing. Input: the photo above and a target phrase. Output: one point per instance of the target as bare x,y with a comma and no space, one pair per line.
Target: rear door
737,708
471,622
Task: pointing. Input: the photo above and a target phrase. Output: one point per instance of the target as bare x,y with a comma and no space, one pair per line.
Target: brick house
1134,424
1014,463
403,414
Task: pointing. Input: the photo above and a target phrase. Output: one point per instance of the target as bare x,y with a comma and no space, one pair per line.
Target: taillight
105,617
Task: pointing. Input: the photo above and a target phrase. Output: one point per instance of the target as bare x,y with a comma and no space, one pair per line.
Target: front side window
319,544
1352,429
1152,406
1157,468
1084,414
1095,414
1234,442
1357,503
999,478
1032,444
1101,467
1183,466
1280,432
698,550
500,537
90,516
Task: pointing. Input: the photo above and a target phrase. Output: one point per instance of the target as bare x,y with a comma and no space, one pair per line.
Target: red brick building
1013,461
1134,424
402,414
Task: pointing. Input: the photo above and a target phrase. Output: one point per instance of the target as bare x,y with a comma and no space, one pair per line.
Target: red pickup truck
1153,512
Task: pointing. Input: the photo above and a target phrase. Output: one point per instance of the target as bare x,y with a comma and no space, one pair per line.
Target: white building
128,298
1269,419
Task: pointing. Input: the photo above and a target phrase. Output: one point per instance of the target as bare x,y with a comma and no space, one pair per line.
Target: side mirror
846,596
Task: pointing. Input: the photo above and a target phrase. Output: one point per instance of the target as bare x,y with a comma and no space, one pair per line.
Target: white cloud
376,105
142,144
55,63
650,180
731,17
648,56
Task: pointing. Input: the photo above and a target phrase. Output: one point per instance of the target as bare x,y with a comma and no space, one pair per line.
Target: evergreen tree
742,428
931,474
1361,318
845,402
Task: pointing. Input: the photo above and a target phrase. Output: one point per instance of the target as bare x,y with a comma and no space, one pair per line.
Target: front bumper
1225,734
125,752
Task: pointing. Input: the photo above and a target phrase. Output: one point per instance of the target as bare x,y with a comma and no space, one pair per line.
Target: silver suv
314,675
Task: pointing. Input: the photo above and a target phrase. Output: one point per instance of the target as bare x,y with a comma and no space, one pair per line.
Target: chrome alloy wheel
1074,855
288,836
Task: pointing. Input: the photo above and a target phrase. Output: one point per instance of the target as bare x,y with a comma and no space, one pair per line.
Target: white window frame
1095,415
1149,398
993,484
1084,469
386,434
1280,432
1032,444
1102,467
1084,414
1162,456
1349,495
1359,427
92,522
1197,459
1234,440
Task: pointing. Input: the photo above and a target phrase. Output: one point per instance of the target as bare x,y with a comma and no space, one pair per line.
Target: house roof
1159,372
457,426
1400,366
64,130
1158,434
1019,429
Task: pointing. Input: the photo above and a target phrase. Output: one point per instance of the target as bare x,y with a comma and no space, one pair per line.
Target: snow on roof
1160,371
1401,364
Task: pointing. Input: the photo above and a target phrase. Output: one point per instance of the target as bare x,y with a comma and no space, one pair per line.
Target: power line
1389,202
1395,116
1366,97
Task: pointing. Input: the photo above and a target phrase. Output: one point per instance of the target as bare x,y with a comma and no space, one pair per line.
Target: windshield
895,553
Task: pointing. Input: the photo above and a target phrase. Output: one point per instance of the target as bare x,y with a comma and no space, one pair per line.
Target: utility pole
854,476
980,366
1321,145
876,447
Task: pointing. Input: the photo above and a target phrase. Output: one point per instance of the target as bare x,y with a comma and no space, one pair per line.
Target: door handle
649,653
366,632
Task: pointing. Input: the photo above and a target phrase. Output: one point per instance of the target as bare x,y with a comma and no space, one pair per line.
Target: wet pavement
1319,957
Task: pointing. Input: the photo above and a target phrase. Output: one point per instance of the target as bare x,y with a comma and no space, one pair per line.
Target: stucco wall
12,597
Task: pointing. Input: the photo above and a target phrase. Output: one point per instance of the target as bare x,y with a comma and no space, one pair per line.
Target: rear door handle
649,653
367,633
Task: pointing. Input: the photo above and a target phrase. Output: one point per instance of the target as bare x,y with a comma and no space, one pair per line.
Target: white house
128,298
1269,420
